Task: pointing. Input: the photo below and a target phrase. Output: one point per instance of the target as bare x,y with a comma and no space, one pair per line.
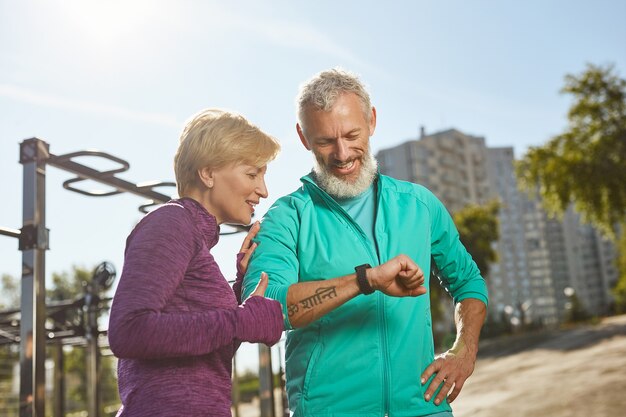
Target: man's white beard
340,188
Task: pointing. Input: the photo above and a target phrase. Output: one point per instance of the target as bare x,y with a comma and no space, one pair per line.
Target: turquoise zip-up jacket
364,358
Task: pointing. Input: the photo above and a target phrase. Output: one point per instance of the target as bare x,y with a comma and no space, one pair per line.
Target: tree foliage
619,292
478,230
66,286
70,286
10,292
586,164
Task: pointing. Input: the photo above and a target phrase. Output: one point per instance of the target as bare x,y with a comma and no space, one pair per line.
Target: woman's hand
247,249
260,318
261,287
243,257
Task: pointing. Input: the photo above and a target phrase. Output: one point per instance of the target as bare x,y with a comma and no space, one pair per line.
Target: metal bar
33,242
33,155
266,381
119,184
59,381
90,310
10,232
235,389
283,393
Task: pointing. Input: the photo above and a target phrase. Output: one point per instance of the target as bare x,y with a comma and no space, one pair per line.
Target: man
352,350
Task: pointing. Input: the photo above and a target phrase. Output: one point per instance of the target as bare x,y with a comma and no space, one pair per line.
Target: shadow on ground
570,338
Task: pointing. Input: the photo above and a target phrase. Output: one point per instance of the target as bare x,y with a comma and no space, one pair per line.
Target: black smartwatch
361,279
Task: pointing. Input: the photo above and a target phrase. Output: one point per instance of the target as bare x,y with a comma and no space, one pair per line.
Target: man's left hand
451,369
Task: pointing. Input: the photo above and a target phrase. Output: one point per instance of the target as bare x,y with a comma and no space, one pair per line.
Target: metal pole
266,381
9,232
93,353
283,392
59,381
236,393
33,244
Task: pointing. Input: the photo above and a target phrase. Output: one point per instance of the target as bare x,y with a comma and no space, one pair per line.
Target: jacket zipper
381,301
383,339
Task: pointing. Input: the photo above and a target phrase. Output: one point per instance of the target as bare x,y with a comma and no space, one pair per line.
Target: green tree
478,230
9,353
71,286
10,292
65,286
586,164
620,288
576,311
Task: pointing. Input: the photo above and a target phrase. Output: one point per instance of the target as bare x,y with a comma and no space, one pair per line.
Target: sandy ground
578,372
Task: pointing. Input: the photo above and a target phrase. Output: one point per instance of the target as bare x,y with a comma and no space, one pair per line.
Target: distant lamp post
511,318
569,293
525,312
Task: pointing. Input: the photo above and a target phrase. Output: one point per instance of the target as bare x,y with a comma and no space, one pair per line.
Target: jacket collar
204,221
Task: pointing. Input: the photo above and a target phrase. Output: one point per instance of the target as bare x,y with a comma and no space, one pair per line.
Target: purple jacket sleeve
157,255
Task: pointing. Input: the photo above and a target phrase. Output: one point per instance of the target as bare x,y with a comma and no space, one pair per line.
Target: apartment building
539,257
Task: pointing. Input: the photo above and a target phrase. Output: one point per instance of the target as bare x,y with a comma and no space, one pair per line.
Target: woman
175,322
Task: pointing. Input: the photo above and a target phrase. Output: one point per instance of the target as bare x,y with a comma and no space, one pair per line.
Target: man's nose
342,151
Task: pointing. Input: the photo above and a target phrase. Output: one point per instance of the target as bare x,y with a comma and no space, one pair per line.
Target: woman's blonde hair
215,138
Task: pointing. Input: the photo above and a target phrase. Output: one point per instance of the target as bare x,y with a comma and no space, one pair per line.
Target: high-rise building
519,280
588,266
539,257
451,164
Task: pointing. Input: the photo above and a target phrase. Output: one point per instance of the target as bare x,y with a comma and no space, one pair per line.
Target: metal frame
33,242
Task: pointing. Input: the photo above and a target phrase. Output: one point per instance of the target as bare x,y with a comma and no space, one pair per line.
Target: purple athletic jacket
175,322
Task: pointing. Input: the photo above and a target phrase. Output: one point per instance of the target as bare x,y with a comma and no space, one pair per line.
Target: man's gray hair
321,92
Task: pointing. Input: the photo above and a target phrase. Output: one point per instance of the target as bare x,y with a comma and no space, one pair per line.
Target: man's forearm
308,301
469,316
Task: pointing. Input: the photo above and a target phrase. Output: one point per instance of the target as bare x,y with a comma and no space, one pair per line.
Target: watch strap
361,279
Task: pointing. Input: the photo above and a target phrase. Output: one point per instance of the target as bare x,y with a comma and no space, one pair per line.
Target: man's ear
206,176
302,138
373,121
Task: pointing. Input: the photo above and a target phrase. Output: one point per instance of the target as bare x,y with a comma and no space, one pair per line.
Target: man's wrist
461,346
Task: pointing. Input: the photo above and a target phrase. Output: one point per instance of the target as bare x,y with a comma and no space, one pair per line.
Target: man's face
339,138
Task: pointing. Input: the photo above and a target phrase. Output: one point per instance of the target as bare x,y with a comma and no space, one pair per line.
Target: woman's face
237,189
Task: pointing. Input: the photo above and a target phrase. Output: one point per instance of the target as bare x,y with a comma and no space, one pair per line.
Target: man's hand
398,277
451,368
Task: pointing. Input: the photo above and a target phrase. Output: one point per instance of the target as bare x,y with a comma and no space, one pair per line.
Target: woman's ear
206,176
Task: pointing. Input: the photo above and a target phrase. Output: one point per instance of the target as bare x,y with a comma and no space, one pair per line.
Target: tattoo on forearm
292,309
321,294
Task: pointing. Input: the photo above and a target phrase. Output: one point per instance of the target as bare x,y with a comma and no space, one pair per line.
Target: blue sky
123,76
